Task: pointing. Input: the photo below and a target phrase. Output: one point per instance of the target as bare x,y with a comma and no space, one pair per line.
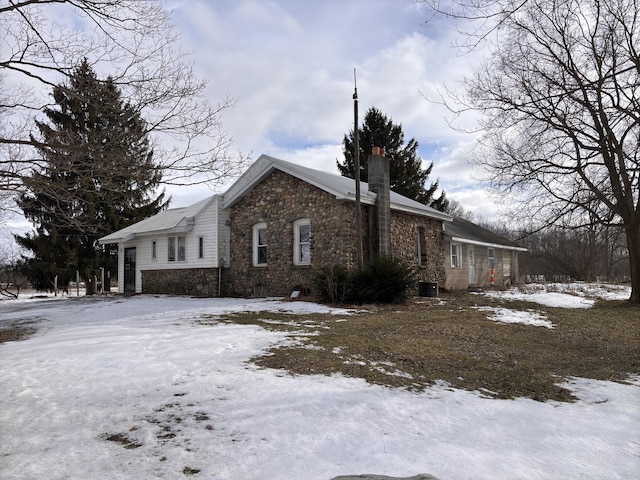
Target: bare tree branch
559,97
135,43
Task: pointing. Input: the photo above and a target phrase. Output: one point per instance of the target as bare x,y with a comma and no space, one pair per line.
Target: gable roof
464,231
342,188
173,220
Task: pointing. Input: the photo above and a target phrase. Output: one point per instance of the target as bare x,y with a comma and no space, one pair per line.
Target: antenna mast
356,159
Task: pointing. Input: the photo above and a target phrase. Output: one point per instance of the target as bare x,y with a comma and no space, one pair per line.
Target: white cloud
290,66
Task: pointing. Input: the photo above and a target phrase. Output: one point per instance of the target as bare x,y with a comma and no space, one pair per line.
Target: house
477,257
177,251
279,221
287,219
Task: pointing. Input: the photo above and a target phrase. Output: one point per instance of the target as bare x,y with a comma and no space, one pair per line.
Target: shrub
384,281
332,283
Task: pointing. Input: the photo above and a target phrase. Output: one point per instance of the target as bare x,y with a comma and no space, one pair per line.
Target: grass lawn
426,340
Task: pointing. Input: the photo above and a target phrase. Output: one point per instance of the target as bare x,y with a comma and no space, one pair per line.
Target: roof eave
131,236
488,244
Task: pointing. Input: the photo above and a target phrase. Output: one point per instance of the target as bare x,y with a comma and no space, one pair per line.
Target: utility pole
356,159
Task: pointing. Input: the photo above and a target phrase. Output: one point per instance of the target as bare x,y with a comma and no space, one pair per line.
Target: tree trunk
633,243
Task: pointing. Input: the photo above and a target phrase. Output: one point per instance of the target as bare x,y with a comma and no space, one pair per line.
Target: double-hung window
172,249
177,249
259,244
456,255
302,242
491,253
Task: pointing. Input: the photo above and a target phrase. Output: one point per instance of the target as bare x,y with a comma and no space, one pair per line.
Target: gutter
487,244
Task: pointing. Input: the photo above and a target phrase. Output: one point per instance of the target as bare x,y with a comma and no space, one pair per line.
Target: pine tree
99,176
408,178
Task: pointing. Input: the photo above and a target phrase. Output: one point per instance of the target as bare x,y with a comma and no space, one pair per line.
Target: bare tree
133,42
455,209
12,279
591,253
560,97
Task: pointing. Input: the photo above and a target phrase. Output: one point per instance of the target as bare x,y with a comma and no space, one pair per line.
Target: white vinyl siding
212,224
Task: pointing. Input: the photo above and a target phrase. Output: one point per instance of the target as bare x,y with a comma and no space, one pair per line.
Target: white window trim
458,255
256,228
154,250
491,258
200,247
296,241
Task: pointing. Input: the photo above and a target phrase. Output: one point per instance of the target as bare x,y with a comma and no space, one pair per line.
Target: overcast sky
290,66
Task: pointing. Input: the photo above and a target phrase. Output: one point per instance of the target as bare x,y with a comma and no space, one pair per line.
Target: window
200,247
302,242
172,249
491,253
154,250
456,259
177,249
182,246
259,244
421,247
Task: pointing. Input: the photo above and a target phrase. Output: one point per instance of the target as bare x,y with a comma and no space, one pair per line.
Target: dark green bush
384,281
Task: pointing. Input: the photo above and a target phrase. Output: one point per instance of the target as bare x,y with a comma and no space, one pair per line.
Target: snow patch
507,315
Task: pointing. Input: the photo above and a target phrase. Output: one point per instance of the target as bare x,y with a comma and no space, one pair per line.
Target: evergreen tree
408,178
99,176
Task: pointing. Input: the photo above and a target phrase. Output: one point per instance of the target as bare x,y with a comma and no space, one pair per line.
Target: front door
471,256
130,270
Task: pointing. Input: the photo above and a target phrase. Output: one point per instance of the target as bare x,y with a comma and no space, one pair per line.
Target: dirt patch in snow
451,341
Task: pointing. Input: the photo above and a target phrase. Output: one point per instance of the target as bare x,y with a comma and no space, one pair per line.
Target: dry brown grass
14,332
425,341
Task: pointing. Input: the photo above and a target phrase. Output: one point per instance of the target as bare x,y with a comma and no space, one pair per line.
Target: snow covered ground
136,388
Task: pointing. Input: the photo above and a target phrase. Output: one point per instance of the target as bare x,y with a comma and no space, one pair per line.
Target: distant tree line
590,253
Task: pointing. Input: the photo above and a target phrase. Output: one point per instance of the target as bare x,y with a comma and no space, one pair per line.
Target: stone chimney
379,182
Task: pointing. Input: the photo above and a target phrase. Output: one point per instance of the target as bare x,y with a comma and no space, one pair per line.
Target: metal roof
464,231
342,188
173,220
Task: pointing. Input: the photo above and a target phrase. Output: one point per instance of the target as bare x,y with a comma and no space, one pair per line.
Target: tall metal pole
356,159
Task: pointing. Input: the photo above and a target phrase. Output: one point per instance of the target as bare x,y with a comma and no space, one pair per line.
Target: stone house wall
197,282
281,199
405,235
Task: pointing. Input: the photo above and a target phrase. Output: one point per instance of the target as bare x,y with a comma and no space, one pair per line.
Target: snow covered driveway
136,388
